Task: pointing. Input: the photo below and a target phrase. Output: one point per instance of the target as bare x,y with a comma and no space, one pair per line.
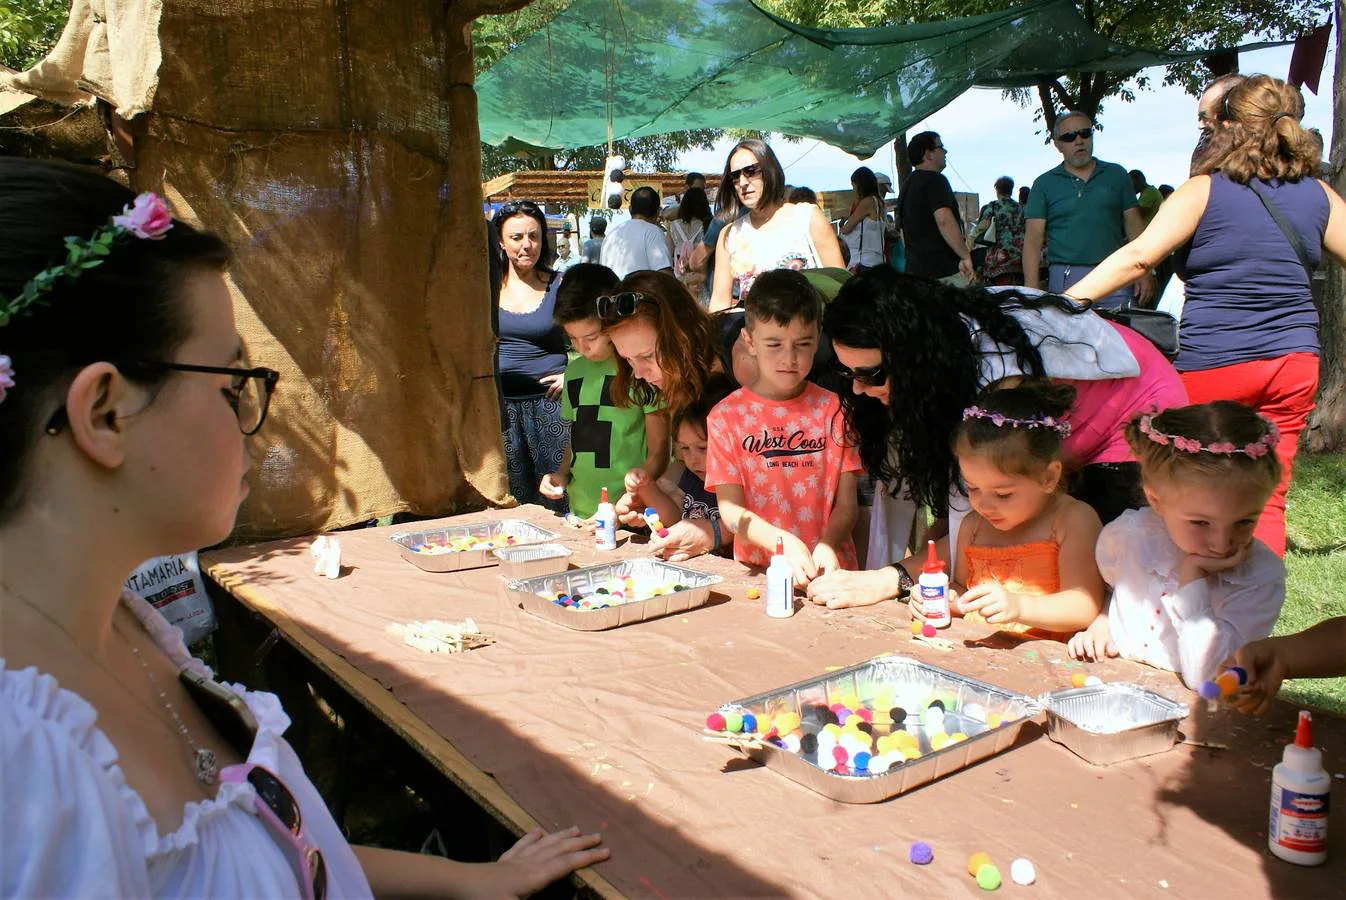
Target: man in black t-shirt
931,224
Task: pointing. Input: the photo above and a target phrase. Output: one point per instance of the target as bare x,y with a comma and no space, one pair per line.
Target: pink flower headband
147,218
1256,450
1000,420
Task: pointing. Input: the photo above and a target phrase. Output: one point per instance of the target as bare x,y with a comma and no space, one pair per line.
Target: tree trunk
901,161
1327,426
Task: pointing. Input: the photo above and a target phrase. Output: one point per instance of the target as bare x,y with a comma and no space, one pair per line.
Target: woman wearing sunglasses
532,351
125,769
764,231
916,353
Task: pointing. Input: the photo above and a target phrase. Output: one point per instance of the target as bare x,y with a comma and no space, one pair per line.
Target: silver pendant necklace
204,762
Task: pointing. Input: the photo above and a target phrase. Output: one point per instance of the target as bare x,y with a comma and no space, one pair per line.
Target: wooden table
554,726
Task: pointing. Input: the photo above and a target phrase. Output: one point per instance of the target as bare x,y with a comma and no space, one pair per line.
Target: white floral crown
147,218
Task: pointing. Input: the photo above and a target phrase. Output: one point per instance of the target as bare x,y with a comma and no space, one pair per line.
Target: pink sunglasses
277,808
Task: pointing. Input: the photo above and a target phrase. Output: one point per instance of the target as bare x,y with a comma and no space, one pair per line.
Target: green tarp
657,66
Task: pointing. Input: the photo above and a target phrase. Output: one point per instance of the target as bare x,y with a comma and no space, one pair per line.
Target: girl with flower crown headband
1025,556
124,403
1190,581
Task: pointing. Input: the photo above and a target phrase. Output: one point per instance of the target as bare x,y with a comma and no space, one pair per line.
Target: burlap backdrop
335,146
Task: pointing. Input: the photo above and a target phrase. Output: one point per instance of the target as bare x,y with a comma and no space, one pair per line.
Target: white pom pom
1022,872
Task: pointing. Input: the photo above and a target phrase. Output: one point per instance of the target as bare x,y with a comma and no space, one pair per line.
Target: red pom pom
715,722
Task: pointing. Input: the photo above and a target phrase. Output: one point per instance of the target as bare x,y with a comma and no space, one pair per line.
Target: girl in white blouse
124,400
1190,584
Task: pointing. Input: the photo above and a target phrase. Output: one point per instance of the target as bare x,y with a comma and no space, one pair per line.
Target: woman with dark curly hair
917,353
1248,230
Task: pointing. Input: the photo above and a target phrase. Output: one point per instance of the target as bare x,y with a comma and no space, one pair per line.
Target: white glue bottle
1299,796
780,585
605,524
934,589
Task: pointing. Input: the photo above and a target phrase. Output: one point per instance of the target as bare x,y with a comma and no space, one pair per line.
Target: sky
989,135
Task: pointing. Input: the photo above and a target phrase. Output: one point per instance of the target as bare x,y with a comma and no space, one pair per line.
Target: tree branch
464,12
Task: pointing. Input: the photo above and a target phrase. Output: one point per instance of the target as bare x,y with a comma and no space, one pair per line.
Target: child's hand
685,539
1210,565
1266,668
539,858
553,486
636,481
996,605
1094,643
825,558
802,567
630,511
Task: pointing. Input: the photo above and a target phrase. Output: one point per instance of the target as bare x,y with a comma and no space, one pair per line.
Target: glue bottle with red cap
605,524
933,586
780,585
1299,801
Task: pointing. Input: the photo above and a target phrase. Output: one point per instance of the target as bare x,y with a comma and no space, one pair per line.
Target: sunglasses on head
1068,137
279,811
619,306
749,172
870,376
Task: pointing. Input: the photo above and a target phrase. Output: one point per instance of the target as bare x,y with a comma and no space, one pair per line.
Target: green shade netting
658,66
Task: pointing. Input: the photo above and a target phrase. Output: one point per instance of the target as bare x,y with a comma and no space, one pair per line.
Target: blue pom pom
861,760
749,723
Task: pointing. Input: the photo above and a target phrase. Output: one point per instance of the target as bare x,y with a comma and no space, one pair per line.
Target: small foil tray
529,591
1109,723
532,560
457,560
913,685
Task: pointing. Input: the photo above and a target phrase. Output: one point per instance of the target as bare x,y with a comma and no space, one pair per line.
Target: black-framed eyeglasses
619,306
750,172
1069,137
248,395
871,376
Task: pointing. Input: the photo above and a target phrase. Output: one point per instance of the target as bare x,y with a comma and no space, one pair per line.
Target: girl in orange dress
1026,551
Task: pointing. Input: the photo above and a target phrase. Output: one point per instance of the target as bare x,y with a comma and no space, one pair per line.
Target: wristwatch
904,582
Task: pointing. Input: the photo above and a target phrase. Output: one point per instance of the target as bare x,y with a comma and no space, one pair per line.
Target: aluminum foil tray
646,572
913,685
1108,723
457,560
532,560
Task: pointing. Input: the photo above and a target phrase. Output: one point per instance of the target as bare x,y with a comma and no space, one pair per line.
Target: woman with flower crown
126,770
1191,583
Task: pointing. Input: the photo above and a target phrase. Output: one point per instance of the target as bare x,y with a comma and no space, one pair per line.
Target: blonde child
607,442
1025,555
1190,583
777,458
681,495
1317,652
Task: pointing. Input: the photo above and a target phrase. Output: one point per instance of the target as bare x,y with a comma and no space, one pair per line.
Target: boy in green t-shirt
606,441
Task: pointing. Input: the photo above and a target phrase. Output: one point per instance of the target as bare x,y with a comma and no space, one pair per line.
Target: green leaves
80,256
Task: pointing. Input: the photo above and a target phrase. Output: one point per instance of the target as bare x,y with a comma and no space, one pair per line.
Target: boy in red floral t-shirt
777,458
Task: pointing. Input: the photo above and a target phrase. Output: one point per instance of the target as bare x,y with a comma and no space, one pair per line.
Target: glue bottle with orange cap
780,585
1300,789
933,587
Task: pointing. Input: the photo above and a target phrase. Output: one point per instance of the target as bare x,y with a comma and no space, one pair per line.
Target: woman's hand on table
553,383
844,589
539,858
686,538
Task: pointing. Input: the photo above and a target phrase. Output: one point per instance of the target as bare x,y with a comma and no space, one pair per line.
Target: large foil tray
913,684
456,561
584,581
1109,723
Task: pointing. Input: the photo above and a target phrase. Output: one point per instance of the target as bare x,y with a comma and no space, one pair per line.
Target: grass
1316,566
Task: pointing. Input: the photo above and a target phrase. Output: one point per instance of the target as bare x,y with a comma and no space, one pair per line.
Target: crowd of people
1084,487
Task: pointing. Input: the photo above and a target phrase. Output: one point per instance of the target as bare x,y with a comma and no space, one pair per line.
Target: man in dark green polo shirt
1084,209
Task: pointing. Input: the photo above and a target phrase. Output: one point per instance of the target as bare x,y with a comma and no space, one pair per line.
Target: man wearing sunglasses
1083,209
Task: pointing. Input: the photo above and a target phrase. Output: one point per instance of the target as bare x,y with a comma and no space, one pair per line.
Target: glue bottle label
1299,821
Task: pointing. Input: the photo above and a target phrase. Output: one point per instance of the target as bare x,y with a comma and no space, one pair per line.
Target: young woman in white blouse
1190,583
123,405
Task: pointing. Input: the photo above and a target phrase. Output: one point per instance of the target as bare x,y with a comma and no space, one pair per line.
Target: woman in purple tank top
1248,230
532,352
